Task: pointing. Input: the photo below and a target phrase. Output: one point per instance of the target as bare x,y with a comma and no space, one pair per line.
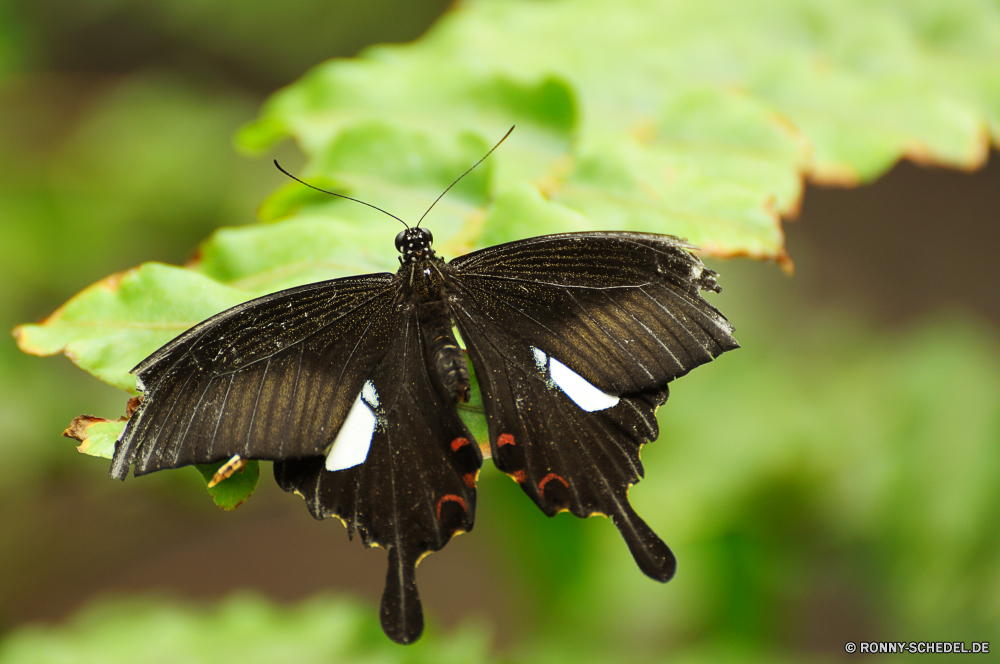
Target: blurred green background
834,480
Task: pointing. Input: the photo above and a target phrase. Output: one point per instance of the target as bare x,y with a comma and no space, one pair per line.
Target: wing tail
401,613
653,557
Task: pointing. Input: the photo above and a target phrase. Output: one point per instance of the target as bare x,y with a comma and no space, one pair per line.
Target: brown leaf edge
80,426
227,495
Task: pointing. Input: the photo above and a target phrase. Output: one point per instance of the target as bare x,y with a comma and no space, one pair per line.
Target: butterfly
351,387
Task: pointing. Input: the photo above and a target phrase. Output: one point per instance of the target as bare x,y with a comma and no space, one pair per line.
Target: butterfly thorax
422,293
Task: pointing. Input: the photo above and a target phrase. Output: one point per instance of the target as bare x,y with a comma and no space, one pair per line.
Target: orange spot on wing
547,478
505,439
450,498
470,480
518,476
459,443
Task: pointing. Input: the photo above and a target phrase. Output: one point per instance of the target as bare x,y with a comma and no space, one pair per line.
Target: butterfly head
415,245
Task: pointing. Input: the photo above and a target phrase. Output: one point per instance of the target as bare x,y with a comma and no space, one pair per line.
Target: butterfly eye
400,238
428,235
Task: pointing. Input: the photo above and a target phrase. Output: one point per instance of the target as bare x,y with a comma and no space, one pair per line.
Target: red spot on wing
459,443
450,498
505,439
470,480
518,476
547,478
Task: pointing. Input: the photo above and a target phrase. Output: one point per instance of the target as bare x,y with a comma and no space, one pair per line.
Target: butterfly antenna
464,174
333,193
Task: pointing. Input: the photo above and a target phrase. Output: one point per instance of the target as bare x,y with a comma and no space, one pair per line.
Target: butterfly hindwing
269,379
565,457
416,488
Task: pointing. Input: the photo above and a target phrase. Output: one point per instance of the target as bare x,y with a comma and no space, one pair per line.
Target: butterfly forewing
270,379
621,309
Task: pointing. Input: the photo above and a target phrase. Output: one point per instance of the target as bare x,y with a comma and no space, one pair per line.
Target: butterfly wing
272,378
416,488
300,376
574,339
623,309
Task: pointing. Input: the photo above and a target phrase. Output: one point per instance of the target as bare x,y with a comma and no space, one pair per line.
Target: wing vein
256,405
179,443
151,447
291,401
222,413
679,323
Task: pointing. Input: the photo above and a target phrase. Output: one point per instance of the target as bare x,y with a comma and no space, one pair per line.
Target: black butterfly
350,386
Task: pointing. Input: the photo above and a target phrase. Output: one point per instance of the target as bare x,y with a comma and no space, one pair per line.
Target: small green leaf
233,491
269,257
293,197
97,435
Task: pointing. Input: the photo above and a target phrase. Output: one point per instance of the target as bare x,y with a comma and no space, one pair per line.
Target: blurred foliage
840,483
244,628
828,481
260,47
144,169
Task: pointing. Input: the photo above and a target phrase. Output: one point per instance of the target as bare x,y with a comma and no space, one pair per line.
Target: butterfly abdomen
425,288
450,363
447,358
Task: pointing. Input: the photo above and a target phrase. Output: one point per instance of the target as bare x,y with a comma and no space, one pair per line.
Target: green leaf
97,435
233,491
696,119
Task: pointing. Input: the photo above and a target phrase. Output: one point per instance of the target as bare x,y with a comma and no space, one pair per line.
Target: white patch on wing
583,393
369,394
541,360
350,447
